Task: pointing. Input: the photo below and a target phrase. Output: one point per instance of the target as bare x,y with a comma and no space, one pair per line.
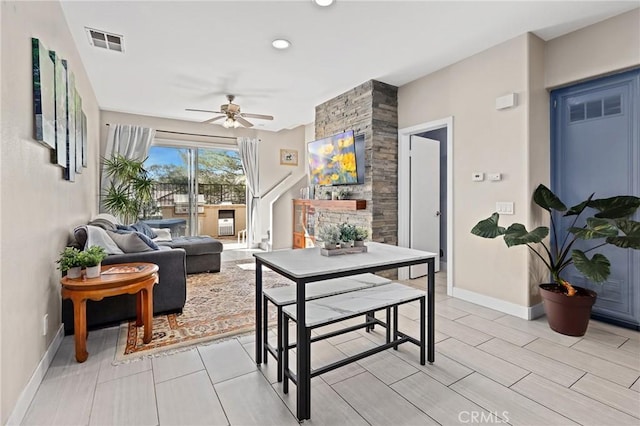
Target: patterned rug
218,305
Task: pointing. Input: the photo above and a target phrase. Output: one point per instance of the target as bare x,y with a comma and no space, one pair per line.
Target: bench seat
340,307
283,296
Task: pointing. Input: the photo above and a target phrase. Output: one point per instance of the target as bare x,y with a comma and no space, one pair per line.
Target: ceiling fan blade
211,120
244,122
203,110
261,116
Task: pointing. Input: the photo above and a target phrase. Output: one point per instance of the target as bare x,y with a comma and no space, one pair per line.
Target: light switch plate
504,207
495,176
477,177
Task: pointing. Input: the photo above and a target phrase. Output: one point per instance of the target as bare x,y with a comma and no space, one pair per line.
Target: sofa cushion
195,246
131,242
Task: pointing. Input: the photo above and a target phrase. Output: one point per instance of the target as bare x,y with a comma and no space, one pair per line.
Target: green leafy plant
611,222
361,233
130,190
342,193
347,232
69,258
92,256
329,234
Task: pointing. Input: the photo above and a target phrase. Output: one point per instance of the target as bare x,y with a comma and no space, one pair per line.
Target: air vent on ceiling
105,40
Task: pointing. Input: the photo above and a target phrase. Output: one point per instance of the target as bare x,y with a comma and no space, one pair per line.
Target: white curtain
128,141
248,150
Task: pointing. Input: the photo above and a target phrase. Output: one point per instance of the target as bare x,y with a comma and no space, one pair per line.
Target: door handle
437,213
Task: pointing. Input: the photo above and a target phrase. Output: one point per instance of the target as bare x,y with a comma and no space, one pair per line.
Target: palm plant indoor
608,220
130,189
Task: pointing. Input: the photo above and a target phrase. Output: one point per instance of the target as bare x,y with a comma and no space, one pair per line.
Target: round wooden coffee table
123,278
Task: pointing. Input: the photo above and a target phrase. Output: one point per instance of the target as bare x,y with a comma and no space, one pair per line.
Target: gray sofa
169,295
203,252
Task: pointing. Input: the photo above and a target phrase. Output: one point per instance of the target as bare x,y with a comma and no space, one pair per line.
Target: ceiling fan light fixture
230,123
323,3
281,43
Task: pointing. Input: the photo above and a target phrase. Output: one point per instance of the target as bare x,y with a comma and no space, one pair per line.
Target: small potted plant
342,193
91,259
330,236
361,235
70,262
568,307
347,235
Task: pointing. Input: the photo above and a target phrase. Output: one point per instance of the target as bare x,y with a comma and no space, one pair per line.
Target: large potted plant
568,307
130,189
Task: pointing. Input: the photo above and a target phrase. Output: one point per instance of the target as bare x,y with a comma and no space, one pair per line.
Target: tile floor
490,368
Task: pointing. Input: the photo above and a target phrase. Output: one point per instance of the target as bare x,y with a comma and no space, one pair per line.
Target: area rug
219,305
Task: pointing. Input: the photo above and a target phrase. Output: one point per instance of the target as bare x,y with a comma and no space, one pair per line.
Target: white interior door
424,223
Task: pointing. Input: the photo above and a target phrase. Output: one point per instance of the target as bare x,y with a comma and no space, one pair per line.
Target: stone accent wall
370,109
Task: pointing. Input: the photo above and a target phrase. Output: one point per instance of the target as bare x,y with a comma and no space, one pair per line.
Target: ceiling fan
234,117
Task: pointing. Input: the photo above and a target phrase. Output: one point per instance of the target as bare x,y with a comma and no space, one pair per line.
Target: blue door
596,148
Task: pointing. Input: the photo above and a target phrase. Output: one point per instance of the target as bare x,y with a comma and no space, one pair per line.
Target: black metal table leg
258,311
431,310
303,365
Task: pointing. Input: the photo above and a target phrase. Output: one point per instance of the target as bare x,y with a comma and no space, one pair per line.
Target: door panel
424,224
596,150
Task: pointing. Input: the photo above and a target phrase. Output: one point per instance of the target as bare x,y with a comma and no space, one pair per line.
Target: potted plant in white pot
70,262
568,307
92,259
347,235
330,236
361,235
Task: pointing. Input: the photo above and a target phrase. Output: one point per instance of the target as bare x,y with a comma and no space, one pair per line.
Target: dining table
304,266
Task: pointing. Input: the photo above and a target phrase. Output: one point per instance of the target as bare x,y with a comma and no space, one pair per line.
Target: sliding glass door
198,191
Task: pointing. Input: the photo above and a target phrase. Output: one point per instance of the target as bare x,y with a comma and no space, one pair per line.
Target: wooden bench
333,309
284,296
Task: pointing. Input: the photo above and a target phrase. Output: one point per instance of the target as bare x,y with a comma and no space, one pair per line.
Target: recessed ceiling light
280,43
323,3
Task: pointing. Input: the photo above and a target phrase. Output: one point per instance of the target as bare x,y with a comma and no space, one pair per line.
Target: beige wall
539,151
39,208
605,47
269,152
515,142
485,140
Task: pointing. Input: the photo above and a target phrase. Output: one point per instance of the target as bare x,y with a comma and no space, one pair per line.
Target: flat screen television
337,160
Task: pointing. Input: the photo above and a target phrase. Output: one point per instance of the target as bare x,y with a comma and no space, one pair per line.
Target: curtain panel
130,142
248,150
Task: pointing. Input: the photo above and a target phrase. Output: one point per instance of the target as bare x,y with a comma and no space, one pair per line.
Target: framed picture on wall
44,102
289,157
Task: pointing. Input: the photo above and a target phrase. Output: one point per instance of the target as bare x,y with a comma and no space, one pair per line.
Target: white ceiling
181,54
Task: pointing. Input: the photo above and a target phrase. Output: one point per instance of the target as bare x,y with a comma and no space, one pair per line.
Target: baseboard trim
21,407
525,312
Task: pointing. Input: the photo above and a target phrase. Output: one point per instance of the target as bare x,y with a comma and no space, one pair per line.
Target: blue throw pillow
145,229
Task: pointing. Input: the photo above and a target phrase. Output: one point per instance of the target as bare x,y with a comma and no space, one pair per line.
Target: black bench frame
394,337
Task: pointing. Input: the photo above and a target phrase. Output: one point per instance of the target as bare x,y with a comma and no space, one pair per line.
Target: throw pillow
145,229
131,242
163,234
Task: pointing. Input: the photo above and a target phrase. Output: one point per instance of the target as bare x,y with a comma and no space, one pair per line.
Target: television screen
332,160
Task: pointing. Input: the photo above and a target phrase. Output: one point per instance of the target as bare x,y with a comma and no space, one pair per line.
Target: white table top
308,263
